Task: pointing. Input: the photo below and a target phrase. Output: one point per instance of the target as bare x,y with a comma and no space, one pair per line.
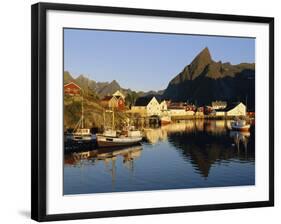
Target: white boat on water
240,125
108,139
112,138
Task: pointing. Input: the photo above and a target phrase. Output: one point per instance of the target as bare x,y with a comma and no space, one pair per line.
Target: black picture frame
38,110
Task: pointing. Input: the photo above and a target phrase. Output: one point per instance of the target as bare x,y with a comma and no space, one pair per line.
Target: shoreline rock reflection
205,143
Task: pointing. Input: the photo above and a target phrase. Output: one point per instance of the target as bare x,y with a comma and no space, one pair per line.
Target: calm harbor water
190,154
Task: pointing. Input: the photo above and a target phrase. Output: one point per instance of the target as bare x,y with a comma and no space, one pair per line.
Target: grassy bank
93,113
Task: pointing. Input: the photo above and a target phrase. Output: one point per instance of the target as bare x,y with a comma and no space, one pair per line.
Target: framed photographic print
139,111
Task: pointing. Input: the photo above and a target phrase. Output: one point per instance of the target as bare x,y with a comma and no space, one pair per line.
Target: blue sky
144,61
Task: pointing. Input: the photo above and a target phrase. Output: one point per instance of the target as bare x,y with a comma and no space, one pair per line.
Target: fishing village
116,126
119,120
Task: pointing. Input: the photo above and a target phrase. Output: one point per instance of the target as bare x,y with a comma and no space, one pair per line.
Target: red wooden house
72,89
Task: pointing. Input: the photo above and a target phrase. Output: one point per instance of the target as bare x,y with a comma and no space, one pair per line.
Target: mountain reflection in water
190,154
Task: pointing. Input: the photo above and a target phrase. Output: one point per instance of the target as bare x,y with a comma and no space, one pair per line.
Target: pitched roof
143,101
230,106
118,93
73,84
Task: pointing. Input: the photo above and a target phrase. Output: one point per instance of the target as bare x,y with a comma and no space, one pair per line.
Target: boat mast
113,122
113,118
103,118
80,123
82,118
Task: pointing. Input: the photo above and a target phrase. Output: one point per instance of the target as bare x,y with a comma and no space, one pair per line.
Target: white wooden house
234,109
147,106
163,105
238,109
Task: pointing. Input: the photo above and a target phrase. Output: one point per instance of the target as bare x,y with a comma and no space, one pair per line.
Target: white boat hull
83,138
106,141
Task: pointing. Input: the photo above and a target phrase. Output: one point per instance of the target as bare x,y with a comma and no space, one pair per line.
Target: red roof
72,84
72,89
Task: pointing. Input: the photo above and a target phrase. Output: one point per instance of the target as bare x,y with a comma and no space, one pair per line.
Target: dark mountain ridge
204,81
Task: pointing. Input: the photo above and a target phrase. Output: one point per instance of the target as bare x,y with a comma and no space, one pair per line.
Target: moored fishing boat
111,138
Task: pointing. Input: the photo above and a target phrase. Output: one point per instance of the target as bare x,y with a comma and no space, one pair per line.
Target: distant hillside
108,88
204,80
67,77
102,89
151,93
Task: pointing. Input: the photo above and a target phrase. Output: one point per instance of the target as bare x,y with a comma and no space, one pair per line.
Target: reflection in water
106,155
214,127
193,153
210,145
240,137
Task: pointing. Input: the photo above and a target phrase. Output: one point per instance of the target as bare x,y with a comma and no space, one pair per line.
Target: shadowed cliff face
197,66
205,80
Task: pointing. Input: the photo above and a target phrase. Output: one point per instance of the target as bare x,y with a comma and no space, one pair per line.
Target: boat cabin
82,131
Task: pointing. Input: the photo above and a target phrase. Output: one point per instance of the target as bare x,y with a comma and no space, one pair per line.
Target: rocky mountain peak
114,82
195,68
205,80
199,63
204,56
